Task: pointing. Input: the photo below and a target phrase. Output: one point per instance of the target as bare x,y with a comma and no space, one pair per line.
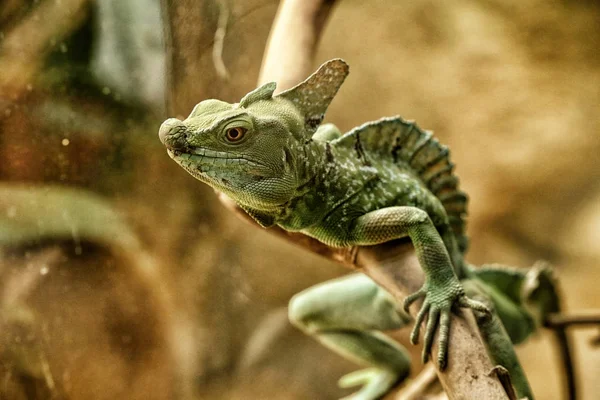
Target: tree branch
288,59
25,46
291,47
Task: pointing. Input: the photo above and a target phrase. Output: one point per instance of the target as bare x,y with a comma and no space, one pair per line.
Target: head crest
313,96
264,92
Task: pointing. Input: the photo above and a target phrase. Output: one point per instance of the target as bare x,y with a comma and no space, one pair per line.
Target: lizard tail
539,294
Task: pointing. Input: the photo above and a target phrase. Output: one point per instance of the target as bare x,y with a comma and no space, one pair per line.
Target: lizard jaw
201,156
213,167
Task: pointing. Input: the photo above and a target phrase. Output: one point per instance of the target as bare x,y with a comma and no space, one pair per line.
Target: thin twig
580,318
419,386
217,53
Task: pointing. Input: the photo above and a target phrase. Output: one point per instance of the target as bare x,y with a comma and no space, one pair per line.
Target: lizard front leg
441,290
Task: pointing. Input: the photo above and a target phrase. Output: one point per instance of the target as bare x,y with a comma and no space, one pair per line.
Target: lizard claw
474,305
413,297
436,310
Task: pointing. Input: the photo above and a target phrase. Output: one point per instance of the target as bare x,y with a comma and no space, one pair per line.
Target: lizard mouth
213,167
205,157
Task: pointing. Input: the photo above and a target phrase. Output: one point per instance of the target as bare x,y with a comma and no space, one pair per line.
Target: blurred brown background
195,307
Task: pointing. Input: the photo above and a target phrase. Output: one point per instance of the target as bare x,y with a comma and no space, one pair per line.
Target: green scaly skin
267,154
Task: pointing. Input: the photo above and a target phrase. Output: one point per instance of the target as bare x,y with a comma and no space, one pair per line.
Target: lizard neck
309,163
309,204
327,177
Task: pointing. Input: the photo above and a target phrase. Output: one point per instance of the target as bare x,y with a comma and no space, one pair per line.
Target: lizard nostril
172,133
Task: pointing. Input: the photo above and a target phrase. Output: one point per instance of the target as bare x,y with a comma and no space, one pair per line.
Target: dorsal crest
313,96
405,143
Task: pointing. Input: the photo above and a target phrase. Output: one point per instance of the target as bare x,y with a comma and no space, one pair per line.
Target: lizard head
248,150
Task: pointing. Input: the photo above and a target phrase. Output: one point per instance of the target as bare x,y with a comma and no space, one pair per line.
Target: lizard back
410,146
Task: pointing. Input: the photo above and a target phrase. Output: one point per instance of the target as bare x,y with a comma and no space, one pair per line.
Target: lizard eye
235,134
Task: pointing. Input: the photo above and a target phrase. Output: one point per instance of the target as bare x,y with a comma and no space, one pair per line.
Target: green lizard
381,181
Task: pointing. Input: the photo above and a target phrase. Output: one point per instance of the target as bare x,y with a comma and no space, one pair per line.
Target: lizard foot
375,382
437,307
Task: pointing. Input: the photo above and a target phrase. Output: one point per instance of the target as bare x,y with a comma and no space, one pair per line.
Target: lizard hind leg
345,315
